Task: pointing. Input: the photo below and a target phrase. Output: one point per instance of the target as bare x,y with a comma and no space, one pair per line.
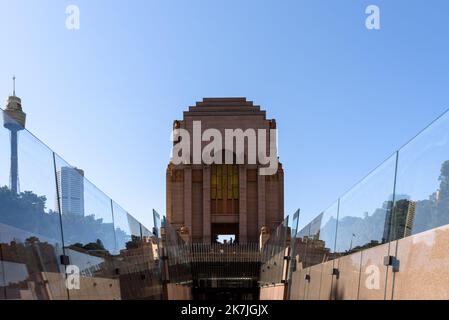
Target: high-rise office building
71,190
399,220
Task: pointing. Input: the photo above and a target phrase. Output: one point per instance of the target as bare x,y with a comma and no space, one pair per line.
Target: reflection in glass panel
304,239
157,223
136,259
157,229
127,229
30,233
294,224
273,253
88,230
153,271
321,241
299,248
422,187
363,219
298,256
178,255
41,196
293,243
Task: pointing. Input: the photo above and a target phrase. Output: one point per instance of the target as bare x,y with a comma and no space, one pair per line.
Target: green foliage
26,215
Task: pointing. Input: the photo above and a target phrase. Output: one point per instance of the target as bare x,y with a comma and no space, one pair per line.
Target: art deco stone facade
206,200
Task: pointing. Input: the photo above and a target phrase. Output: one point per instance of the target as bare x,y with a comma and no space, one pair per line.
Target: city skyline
224,150
385,95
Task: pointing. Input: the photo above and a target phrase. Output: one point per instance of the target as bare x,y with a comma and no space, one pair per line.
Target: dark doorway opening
224,232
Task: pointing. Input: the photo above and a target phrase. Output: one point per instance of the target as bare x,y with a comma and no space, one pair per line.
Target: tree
444,180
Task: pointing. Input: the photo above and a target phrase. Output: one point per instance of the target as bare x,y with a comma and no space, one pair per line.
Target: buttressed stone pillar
184,234
264,235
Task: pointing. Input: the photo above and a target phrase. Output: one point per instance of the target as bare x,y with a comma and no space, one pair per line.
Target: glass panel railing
420,218
30,226
321,242
157,228
157,224
177,254
298,257
136,259
303,255
152,261
293,243
273,255
88,229
127,229
422,188
53,221
363,223
365,210
321,250
299,251
391,224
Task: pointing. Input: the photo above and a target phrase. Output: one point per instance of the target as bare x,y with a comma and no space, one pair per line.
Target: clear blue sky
104,97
